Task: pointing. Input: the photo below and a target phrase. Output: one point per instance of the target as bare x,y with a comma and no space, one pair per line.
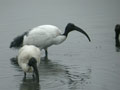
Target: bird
29,60
117,33
44,36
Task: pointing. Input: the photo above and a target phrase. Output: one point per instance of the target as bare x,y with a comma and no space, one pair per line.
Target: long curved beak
36,72
82,31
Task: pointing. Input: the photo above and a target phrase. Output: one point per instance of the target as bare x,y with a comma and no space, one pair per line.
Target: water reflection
55,76
117,49
28,84
14,63
78,80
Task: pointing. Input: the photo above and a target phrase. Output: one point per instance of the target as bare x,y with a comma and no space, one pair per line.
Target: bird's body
27,55
44,36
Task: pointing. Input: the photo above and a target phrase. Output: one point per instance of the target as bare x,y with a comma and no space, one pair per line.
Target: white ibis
117,33
44,36
29,59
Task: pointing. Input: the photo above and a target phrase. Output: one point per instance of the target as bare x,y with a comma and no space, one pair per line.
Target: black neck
68,29
33,63
65,33
36,72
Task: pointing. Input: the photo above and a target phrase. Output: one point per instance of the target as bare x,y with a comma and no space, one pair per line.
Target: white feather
44,36
24,55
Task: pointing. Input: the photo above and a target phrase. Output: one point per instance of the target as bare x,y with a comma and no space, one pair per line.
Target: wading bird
29,59
117,33
44,36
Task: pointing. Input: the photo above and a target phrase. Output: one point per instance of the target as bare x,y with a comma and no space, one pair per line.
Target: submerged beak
82,31
36,72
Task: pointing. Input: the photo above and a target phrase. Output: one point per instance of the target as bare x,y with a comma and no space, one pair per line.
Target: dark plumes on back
18,41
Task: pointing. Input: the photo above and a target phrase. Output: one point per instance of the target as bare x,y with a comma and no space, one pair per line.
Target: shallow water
76,64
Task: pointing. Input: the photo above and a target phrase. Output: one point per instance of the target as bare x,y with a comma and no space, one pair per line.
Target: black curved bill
36,72
83,32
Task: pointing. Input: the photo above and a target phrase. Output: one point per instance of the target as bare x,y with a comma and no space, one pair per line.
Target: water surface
76,64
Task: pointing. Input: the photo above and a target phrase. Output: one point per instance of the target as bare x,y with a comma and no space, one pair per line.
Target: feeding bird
44,36
29,59
117,33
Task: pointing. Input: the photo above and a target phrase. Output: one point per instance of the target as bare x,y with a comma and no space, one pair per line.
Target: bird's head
33,63
70,27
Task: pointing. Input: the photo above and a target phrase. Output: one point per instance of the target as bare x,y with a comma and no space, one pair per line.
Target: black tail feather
18,41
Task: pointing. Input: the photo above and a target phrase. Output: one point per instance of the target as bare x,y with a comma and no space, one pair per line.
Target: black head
117,33
70,27
33,63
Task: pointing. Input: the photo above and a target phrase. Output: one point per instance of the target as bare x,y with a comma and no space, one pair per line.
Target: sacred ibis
44,36
117,33
29,59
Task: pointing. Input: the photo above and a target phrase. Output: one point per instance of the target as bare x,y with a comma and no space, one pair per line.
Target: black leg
33,76
24,74
46,53
24,79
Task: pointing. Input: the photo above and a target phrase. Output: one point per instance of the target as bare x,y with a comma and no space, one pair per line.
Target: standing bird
29,59
44,36
117,33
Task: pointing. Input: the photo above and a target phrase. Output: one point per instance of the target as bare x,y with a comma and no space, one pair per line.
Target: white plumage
27,53
44,36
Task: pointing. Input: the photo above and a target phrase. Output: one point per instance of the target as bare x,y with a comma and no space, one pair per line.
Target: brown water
76,64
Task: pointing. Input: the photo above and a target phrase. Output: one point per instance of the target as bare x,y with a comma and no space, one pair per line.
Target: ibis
29,59
45,36
117,33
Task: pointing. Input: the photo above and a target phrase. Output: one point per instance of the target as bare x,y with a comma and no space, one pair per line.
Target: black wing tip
15,44
18,41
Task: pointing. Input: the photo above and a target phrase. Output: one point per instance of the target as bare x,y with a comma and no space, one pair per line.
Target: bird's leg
24,76
33,76
46,54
